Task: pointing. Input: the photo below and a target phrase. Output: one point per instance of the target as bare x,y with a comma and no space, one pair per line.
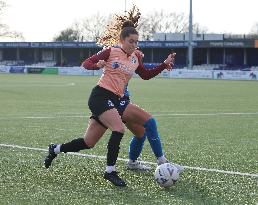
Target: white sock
110,169
162,160
57,149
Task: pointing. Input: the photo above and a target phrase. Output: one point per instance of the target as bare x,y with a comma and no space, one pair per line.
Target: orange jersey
119,69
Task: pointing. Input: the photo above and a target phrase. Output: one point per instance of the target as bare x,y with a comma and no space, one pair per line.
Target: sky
41,20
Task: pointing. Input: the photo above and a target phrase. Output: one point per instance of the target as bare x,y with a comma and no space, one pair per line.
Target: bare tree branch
2,6
161,22
90,28
254,29
4,29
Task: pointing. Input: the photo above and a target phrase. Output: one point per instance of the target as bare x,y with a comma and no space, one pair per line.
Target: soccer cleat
136,165
51,155
114,179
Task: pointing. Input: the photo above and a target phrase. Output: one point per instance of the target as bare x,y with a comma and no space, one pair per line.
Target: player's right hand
139,54
101,63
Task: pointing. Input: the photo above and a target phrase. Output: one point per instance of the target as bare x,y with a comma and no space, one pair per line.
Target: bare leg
136,129
135,114
112,120
93,133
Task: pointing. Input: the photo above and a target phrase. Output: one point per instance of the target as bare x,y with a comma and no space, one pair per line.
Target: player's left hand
170,61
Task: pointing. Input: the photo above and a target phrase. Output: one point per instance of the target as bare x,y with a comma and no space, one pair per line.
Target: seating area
207,66
224,67
44,64
11,63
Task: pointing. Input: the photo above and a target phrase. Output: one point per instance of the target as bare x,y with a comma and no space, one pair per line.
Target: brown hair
120,28
127,29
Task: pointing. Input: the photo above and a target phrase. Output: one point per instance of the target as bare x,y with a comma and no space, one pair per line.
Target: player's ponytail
127,23
121,27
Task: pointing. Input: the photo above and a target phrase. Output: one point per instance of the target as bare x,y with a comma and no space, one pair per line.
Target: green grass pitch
202,123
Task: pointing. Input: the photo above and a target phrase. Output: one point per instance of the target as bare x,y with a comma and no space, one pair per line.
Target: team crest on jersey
110,103
133,60
115,64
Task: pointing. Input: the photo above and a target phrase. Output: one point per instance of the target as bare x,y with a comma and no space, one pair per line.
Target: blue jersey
126,91
124,101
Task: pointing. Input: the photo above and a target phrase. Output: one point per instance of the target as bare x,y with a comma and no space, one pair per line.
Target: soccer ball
166,175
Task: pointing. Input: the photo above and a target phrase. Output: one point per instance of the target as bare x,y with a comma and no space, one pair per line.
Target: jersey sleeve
147,74
91,62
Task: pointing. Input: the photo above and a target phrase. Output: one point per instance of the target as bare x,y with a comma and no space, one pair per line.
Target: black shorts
102,100
98,96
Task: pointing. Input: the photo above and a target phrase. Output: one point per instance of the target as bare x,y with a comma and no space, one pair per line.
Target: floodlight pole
190,39
125,7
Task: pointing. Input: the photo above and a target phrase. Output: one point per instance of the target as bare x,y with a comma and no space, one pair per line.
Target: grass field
202,123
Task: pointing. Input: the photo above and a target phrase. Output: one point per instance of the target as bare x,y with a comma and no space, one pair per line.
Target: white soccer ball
166,175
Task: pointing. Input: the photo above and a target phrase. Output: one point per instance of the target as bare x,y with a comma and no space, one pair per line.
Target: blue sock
135,147
153,137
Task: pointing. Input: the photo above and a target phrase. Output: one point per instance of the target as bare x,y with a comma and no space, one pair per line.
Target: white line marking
155,115
44,117
39,85
121,159
207,114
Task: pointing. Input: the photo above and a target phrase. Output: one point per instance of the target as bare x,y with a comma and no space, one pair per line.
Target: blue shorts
124,101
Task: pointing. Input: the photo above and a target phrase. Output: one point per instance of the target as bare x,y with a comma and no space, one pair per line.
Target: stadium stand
210,51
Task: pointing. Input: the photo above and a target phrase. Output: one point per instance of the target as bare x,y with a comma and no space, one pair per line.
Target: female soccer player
118,64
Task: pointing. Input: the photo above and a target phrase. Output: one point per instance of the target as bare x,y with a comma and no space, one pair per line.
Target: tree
90,28
254,29
4,29
87,29
68,34
94,26
165,22
161,22
197,28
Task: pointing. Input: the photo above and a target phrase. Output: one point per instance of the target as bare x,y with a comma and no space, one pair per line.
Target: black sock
113,147
74,146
